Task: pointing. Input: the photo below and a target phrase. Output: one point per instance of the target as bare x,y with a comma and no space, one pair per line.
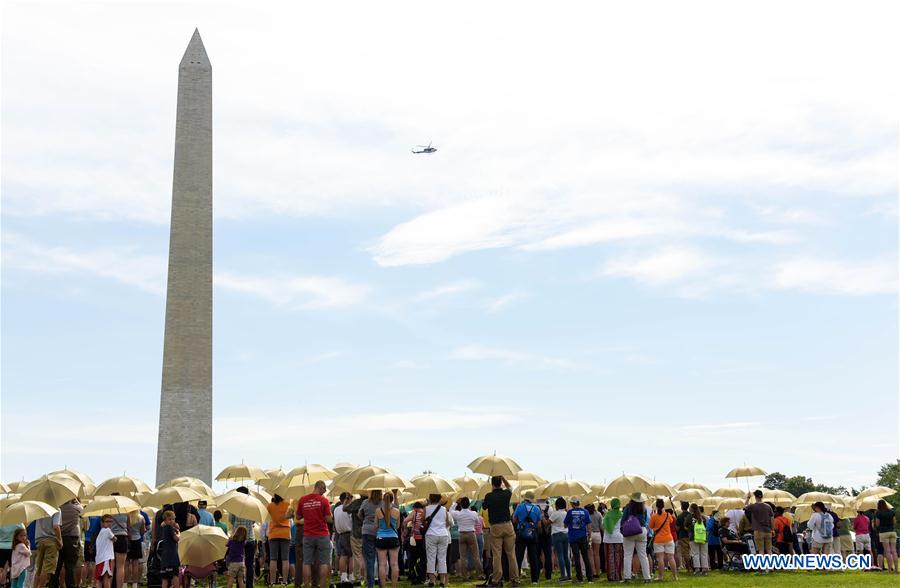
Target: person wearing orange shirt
279,538
663,541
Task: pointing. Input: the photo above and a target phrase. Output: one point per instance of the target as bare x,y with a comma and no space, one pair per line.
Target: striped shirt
246,523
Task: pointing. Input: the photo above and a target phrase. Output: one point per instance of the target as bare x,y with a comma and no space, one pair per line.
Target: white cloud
306,292
717,426
478,352
502,302
450,289
665,266
825,276
323,357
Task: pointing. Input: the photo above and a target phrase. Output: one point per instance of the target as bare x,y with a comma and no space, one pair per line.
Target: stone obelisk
185,409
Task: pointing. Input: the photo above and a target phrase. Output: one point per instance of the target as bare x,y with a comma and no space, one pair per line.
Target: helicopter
425,148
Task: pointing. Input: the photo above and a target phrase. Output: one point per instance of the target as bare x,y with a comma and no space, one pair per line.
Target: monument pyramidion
185,410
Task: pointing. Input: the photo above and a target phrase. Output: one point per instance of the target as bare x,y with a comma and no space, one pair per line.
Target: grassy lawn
794,578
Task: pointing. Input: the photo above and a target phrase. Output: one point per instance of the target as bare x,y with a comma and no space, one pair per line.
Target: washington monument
185,409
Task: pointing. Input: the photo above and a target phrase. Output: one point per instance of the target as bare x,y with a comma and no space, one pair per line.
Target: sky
656,237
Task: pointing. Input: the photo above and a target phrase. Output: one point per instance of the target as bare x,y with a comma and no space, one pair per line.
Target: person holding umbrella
503,536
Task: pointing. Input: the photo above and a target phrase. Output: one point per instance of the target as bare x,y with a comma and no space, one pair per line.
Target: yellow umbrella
524,476
598,489
745,472
16,486
243,506
292,488
467,483
486,487
195,484
566,488
111,505
660,489
171,495
87,484
11,498
54,489
4,488
262,495
202,545
629,484
867,503
276,477
344,467
730,492
731,503
778,497
151,511
350,480
690,495
385,482
811,497
434,484
495,465
690,485
802,513
123,485
877,491
710,503
242,471
312,473
26,511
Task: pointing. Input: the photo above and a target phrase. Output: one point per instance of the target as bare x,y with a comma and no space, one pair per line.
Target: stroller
208,572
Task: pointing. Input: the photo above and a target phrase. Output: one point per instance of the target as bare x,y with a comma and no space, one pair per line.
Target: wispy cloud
323,357
504,301
450,289
477,352
717,426
854,278
668,265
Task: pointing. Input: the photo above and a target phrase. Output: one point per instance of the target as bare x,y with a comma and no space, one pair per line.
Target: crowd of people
370,538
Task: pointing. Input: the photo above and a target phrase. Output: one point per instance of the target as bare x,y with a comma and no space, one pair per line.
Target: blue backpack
527,527
827,525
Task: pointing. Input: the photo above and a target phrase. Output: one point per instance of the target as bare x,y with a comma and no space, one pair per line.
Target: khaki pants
763,540
684,552
468,544
503,539
47,556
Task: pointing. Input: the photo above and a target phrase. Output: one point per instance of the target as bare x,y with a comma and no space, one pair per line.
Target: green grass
793,578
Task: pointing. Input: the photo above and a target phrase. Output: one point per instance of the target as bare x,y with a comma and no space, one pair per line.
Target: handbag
428,520
632,526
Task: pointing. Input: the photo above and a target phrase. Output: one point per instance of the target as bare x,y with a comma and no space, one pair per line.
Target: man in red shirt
315,513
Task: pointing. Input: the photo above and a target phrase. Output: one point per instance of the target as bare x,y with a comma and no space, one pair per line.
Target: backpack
527,528
699,532
827,526
787,536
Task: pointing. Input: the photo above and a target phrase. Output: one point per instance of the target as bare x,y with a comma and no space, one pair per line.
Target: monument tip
195,53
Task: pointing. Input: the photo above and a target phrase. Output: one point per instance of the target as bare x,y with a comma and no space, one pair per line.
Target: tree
889,475
798,485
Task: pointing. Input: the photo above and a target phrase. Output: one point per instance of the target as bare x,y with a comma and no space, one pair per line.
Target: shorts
236,569
823,547
356,546
343,544
387,543
279,549
89,551
121,544
46,558
667,547
5,557
846,543
168,573
79,554
863,542
890,537
135,549
316,551
103,569
597,538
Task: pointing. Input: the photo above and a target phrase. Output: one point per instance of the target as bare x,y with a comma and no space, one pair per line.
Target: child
167,549
234,556
20,559
105,556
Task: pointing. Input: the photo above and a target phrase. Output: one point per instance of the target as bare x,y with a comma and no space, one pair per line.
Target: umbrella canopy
710,503
202,545
661,489
25,512
111,505
4,488
16,486
240,472
243,506
695,485
690,495
292,490
195,484
434,484
524,476
811,497
467,483
802,513
629,484
351,479
53,489
385,482
495,465
10,498
867,503
598,489
87,484
745,472
730,492
312,473
566,488
344,467
124,485
778,497
486,487
731,503
877,491
171,495
276,477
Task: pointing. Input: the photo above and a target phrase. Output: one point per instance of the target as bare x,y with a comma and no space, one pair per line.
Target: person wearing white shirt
820,542
343,527
468,543
437,539
559,536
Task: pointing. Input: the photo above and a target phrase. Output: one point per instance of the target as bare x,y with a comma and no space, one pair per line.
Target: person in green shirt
217,516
